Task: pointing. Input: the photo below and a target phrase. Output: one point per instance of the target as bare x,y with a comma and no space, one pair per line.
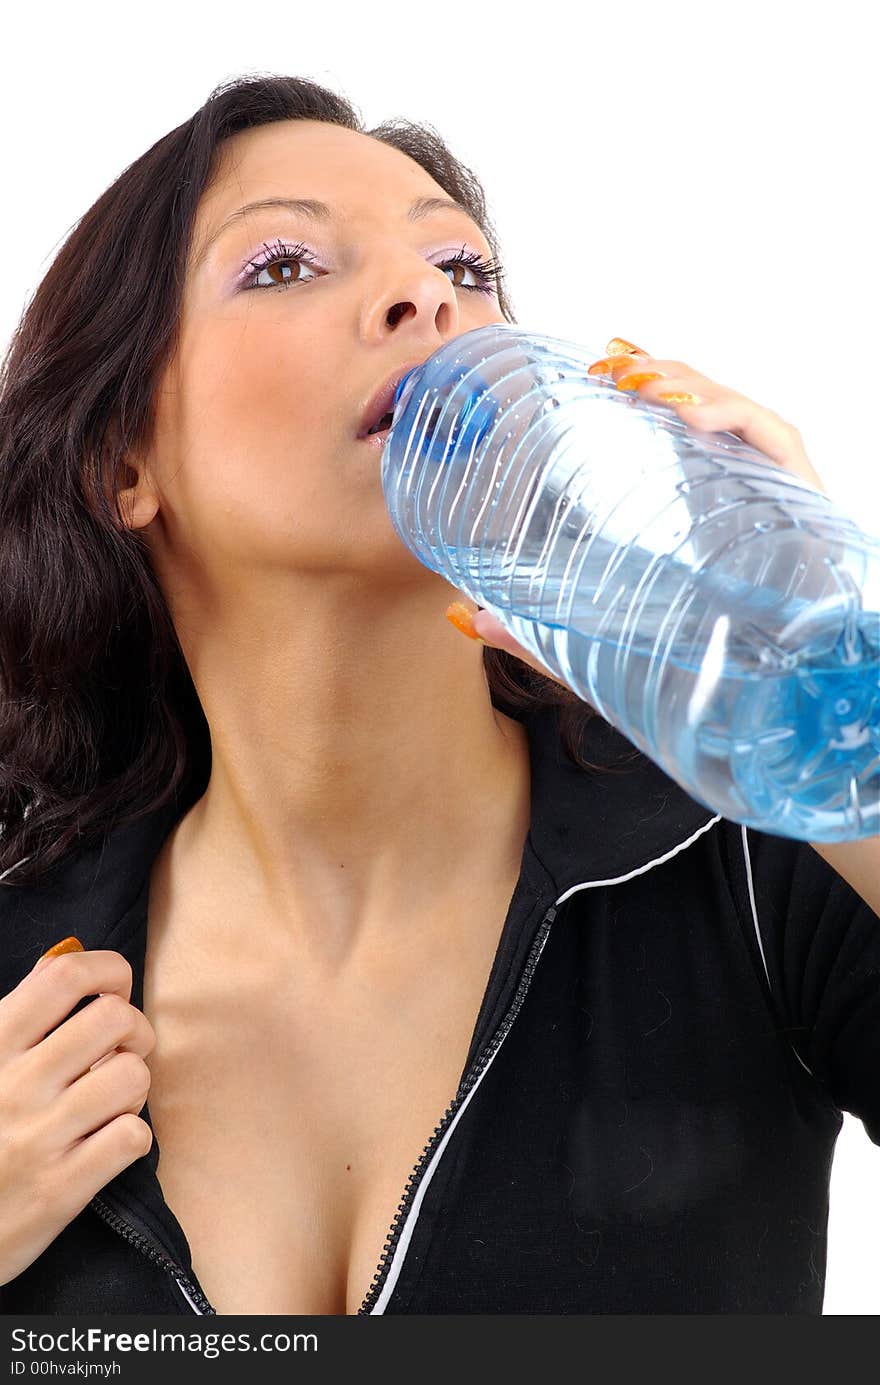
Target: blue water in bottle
718,611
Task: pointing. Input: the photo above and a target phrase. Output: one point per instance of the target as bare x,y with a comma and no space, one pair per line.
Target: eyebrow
320,212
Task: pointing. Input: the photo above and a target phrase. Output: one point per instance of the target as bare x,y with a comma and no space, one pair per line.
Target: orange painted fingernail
682,398
458,615
609,363
632,382
618,347
70,944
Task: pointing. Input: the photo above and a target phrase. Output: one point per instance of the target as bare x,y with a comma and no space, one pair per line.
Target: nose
419,291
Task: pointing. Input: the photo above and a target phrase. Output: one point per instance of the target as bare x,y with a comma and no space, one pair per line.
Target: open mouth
383,425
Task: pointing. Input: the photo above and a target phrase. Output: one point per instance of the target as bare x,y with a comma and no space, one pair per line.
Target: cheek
252,407
255,385
247,447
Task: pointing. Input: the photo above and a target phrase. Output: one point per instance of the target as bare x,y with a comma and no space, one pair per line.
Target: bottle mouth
406,385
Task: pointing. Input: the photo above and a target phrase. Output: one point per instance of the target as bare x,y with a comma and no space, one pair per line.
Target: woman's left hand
701,403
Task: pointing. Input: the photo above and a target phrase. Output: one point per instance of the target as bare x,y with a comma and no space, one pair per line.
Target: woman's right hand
70,1092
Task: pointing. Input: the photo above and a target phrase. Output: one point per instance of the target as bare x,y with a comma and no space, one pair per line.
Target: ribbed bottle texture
718,611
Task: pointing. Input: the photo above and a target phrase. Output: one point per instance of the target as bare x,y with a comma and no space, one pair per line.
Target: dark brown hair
100,722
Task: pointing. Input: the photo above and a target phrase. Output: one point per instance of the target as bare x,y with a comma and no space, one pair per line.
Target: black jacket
678,1011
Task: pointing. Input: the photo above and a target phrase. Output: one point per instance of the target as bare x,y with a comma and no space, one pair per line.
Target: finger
714,409
91,1163
618,353
634,381
670,370
619,346
609,364
115,1087
107,1025
624,370
664,387
462,617
46,997
69,944
496,636
760,428
491,631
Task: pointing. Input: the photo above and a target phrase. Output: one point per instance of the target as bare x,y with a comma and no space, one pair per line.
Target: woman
349,887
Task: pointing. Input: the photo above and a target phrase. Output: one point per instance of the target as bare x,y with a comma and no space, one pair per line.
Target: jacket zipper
473,1075
197,1299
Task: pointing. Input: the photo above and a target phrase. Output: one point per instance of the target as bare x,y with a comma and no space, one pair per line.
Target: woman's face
256,462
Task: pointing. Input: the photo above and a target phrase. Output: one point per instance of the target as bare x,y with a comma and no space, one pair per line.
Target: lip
382,400
376,440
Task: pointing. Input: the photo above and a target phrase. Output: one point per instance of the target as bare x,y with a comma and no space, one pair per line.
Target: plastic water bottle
718,611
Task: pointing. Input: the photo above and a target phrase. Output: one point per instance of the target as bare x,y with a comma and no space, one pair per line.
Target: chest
289,1117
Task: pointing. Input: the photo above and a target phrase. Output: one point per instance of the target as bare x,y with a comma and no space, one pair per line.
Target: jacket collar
603,825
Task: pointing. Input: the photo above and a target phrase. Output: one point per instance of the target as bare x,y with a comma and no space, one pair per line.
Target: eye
274,267
488,272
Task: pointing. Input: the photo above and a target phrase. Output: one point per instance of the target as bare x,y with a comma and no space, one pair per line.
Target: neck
361,779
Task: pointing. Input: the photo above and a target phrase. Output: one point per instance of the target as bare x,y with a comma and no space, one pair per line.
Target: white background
698,178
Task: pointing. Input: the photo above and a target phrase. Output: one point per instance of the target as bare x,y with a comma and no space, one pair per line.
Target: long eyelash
490,272
275,252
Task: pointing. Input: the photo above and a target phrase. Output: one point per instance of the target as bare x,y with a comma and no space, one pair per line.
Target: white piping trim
189,1300
409,1225
754,908
748,861
412,1217
640,870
